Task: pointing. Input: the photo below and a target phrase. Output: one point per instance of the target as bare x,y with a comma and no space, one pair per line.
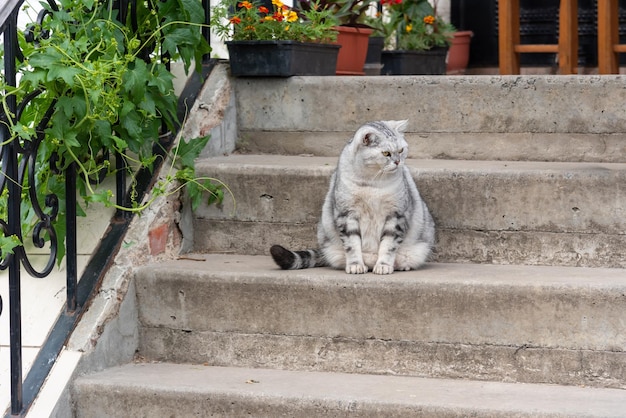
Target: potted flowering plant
280,41
419,38
353,32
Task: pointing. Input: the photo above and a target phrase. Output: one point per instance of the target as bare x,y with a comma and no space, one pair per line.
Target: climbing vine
104,82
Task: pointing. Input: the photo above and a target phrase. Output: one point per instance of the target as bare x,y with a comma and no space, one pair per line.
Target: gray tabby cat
373,216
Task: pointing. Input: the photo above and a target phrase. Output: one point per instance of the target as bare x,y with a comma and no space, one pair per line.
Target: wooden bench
510,48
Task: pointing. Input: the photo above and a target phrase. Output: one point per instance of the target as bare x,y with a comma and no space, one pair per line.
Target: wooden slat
508,36
529,48
568,37
608,37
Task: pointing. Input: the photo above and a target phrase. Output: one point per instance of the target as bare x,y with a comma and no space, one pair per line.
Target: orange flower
235,20
245,4
263,9
291,16
429,20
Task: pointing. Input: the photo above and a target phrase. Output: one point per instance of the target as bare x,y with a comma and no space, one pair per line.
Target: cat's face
381,146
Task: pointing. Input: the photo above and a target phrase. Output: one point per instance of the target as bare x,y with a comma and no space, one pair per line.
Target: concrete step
543,118
522,146
542,213
561,325
177,390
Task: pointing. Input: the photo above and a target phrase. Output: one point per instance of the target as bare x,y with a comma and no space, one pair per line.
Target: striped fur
373,217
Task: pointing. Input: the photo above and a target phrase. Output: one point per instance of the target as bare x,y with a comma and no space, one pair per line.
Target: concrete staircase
521,313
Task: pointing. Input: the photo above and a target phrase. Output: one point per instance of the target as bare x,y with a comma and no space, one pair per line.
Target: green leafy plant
347,12
414,25
248,21
376,22
110,93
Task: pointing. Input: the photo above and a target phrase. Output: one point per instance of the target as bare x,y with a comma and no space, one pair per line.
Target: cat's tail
291,260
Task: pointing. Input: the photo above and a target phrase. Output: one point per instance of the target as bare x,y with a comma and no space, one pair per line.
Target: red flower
263,9
278,16
235,20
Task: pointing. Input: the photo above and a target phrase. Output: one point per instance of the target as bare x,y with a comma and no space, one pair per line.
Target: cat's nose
397,162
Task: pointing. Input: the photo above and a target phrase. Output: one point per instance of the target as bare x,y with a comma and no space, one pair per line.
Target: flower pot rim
464,33
358,29
414,51
280,42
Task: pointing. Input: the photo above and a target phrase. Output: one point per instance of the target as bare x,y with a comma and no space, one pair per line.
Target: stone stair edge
218,266
262,392
451,145
304,161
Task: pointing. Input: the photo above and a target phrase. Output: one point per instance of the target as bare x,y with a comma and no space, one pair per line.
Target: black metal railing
17,178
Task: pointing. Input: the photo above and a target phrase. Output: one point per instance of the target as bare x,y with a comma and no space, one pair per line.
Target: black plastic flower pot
431,62
281,58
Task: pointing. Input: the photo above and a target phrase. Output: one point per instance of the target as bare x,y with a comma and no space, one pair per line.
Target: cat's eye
401,151
386,153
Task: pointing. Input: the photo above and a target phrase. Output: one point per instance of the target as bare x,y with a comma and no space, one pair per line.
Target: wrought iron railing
17,161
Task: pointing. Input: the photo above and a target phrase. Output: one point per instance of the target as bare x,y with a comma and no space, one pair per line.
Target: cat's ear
369,138
398,125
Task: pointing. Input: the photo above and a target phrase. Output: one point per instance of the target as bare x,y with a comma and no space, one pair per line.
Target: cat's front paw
356,268
383,269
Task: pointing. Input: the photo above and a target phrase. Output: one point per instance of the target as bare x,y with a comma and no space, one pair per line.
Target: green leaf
163,80
45,58
148,104
22,131
60,129
120,144
61,231
8,244
135,79
72,106
189,151
102,128
63,72
131,121
103,197
216,194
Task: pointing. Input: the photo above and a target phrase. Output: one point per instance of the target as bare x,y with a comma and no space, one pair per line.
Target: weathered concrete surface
537,118
485,211
527,146
479,322
542,104
152,390
537,324
214,113
453,245
375,356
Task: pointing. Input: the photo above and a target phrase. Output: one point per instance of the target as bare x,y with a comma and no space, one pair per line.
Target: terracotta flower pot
458,55
354,42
